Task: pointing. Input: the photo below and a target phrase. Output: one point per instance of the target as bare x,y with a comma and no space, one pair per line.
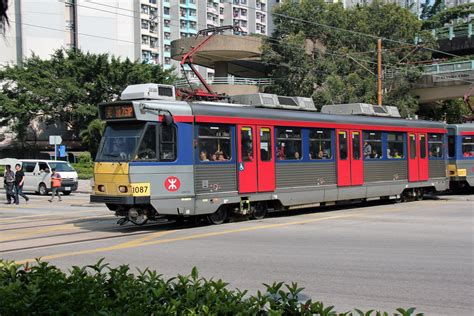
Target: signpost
55,140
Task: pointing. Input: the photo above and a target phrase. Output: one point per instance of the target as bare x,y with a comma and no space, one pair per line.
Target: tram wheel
219,217
259,211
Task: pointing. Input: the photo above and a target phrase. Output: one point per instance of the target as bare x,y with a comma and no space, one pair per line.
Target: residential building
42,26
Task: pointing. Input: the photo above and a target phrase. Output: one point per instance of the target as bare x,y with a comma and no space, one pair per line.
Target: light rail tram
260,153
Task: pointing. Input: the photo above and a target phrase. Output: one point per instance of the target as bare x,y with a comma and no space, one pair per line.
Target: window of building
435,145
145,9
422,146
289,143
145,40
395,146
192,12
467,146
167,35
372,145
214,143
167,23
167,60
451,146
144,25
166,10
320,144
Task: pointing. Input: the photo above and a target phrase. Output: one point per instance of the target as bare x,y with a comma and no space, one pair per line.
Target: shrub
43,289
84,166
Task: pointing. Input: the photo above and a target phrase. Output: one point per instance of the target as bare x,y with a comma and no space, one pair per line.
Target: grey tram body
297,184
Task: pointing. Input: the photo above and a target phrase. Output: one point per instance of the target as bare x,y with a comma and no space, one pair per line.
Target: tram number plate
140,189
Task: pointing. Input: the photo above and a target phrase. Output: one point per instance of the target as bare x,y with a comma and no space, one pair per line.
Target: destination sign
116,111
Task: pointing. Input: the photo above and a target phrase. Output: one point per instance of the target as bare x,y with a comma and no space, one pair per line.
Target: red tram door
350,166
417,157
255,159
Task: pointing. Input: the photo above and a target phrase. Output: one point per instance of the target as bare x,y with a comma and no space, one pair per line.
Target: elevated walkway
444,81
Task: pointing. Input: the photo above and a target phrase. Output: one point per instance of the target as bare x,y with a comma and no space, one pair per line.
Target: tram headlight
123,189
101,188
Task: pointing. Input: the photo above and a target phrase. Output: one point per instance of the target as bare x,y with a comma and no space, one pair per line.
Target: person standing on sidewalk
55,184
19,182
9,182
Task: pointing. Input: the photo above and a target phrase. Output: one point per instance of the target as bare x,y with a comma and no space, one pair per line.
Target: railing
450,32
467,65
226,81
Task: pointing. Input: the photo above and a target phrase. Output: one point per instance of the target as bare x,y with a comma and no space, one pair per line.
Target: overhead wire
269,38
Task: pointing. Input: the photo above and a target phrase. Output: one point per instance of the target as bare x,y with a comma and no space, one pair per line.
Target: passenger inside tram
203,156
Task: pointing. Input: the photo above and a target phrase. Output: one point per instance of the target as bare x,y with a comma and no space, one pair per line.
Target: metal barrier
467,65
450,32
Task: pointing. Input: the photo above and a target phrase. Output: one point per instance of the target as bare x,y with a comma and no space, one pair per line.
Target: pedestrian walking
9,181
55,184
19,182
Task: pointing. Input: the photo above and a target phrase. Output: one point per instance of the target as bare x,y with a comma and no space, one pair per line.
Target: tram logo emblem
172,184
241,166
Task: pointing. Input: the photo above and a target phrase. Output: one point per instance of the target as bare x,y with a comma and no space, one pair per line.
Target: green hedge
43,289
84,166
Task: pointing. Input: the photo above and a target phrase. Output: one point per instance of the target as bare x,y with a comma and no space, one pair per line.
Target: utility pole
379,71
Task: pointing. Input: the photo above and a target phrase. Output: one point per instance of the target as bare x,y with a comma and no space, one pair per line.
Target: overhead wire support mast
188,60
379,71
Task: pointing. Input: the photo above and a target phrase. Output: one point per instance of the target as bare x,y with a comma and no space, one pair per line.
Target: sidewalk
84,186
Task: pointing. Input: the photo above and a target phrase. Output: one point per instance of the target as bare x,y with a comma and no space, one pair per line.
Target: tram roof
221,110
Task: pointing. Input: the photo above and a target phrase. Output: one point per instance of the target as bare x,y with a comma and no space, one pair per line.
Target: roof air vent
149,91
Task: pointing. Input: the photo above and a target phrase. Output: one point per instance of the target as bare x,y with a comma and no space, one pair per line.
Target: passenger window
246,143
43,167
342,145
320,144
412,146
356,145
435,145
265,144
29,166
467,146
167,146
422,146
147,149
395,146
289,143
372,145
452,146
214,143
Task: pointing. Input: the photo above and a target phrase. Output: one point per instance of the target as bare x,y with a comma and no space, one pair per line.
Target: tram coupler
244,206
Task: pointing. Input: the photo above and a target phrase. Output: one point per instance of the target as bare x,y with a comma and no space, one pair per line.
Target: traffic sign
55,140
62,151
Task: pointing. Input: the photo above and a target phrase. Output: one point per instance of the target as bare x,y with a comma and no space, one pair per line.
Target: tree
92,135
67,88
316,55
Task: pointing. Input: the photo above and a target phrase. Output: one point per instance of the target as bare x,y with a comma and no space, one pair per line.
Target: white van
38,175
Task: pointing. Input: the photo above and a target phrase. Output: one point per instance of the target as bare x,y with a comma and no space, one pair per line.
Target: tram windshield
120,142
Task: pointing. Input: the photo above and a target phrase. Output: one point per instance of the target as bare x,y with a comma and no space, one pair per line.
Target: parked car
38,176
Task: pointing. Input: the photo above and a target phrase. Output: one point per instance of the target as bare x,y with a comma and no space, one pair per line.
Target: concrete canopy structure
226,54
234,55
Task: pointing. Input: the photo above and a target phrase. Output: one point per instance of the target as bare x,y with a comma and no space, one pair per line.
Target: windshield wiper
111,155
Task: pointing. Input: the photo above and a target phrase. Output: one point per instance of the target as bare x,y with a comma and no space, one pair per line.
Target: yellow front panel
111,175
